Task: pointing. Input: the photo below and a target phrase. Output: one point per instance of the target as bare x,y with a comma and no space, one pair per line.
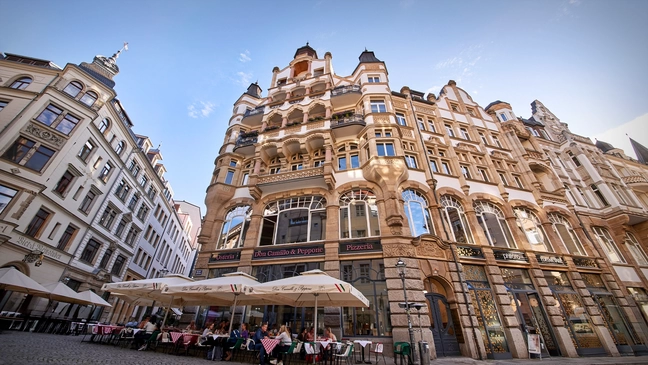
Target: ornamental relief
424,110
44,135
25,204
398,250
430,246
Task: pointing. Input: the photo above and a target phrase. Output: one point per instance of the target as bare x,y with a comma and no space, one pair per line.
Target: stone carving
399,104
381,120
428,245
44,134
424,110
316,171
25,204
372,67
399,250
315,125
407,133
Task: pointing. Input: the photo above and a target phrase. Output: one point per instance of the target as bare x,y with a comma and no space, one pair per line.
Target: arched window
454,216
532,228
300,219
492,221
104,125
73,89
21,83
608,245
120,147
359,214
235,227
566,233
418,214
635,248
89,98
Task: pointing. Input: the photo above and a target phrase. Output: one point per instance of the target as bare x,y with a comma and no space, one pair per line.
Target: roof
640,150
495,103
31,61
603,146
532,122
306,50
368,56
99,77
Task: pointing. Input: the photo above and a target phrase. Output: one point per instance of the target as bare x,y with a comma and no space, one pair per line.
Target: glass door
442,326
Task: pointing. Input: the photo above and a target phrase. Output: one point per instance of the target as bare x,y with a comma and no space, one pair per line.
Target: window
385,149
417,212
431,126
118,265
37,223
400,119
433,166
66,237
619,194
63,185
566,233
73,89
6,195
483,138
151,192
342,163
22,147
497,141
120,147
3,104
493,222
363,222
373,78
503,178
446,168
89,98
411,161
503,117
131,236
86,204
133,202
90,251
246,175
449,130
21,83
121,226
51,117
104,125
134,168
108,217
635,249
105,259
518,182
378,106
464,134
299,219
483,174
105,172
421,124
465,171
143,180
453,213
87,148
530,225
142,212
229,177
607,244
599,195
122,190
235,228
574,158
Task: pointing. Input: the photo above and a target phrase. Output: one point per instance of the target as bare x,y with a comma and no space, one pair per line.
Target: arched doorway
441,321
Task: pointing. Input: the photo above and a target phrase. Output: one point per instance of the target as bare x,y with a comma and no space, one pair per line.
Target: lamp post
401,266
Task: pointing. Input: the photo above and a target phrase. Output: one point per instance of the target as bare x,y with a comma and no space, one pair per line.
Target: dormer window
503,117
21,83
89,98
318,72
73,89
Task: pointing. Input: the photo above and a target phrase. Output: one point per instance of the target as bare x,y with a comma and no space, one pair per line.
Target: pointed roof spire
104,68
640,151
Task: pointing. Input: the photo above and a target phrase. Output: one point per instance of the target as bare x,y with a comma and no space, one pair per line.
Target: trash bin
424,348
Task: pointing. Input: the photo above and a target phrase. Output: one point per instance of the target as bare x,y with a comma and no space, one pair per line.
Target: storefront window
493,222
487,314
359,214
418,215
530,225
454,216
566,233
235,227
368,276
301,219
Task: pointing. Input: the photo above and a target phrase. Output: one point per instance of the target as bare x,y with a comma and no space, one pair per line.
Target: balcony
347,124
345,95
300,179
636,182
253,116
245,143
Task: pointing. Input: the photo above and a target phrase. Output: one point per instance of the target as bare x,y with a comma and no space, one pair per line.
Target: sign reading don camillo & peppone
280,253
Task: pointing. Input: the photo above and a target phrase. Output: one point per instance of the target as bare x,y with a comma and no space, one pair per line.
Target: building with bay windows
83,199
503,233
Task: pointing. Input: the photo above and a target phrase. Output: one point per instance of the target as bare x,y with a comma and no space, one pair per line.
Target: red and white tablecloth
269,344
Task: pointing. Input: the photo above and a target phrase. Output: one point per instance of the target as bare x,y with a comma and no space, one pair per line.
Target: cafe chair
402,349
346,355
378,349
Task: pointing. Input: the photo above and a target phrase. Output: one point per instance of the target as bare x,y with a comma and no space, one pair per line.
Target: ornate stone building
508,226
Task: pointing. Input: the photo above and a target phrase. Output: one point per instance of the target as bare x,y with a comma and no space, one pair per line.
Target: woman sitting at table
303,334
285,341
244,331
329,334
191,327
310,336
231,341
151,337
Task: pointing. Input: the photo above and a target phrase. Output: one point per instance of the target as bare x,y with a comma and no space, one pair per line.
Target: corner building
343,174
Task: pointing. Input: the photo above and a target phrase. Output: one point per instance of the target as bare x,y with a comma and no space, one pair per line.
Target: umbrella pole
232,313
315,330
166,313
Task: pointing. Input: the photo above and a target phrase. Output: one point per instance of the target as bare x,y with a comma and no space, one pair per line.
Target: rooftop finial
365,49
306,42
116,55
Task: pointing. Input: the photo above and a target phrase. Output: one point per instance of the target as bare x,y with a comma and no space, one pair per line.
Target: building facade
509,227
80,190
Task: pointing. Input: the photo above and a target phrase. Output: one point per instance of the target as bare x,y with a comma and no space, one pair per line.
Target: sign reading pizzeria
225,256
280,253
360,247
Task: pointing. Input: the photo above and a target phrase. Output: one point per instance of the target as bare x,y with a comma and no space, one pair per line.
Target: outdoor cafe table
269,344
364,343
216,337
187,339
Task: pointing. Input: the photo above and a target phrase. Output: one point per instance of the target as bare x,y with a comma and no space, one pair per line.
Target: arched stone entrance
442,319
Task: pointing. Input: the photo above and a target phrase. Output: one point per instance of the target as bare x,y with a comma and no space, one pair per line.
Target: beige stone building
509,227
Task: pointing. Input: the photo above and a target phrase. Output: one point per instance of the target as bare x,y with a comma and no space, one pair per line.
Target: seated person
285,339
329,334
260,334
231,341
191,327
153,336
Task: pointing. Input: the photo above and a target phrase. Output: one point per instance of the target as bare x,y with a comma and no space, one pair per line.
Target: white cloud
243,78
463,64
245,56
618,136
201,109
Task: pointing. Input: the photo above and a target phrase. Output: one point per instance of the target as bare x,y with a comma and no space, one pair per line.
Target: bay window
359,214
235,227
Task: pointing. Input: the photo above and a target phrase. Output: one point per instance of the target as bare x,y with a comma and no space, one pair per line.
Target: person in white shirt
285,341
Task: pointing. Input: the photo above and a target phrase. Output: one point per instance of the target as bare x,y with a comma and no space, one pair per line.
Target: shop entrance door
533,321
443,330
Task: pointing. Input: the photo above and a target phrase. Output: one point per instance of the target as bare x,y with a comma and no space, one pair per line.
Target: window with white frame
299,219
120,147
607,244
400,119
104,125
449,130
417,212
599,195
359,214
635,248
373,78
410,160
3,104
105,172
378,106
421,123
385,149
494,225
235,227
531,226
453,213
465,171
6,195
73,88
464,134
563,228
21,83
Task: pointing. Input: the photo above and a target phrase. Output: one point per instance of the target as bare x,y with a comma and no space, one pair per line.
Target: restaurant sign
550,260
34,246
360,247
472,252
585,262
225,256
280,253
510,255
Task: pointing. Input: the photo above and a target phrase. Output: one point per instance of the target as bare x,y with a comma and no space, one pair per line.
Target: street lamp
401,266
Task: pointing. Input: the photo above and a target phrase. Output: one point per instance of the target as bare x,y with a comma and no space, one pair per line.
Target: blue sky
188,61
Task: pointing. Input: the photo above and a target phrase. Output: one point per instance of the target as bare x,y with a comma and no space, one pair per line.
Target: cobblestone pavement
24,348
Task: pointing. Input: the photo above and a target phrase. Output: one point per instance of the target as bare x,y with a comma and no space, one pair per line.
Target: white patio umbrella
311,288
228,289
14,280
93,299
63,293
